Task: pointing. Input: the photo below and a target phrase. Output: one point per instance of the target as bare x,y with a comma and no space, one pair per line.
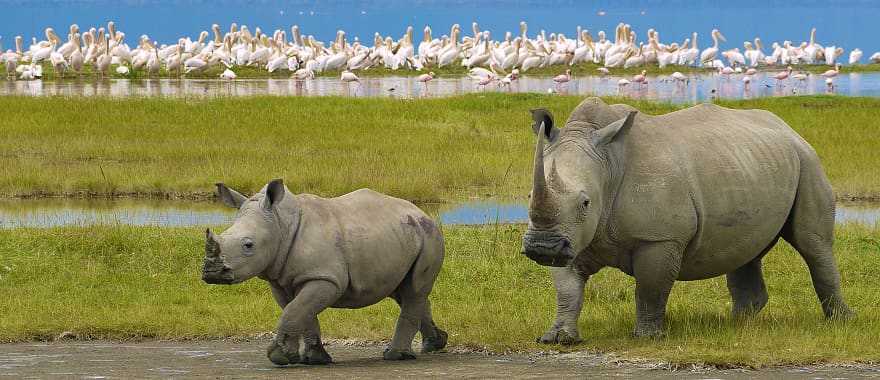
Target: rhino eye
247,245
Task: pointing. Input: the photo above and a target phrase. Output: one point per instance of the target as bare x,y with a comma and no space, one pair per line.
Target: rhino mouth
547,249
217,272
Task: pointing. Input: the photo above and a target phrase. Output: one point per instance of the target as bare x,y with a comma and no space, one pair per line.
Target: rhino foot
279,356
435,343
560,336
648,332
316,355
392,354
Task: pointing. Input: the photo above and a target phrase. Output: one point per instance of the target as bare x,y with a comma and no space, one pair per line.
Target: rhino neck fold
288,229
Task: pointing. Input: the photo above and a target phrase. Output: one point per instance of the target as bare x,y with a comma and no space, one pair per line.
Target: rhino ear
542,115
274,193
229,197
607,134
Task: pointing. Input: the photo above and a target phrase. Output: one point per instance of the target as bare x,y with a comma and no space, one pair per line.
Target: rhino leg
313,350
655,267
299,322
747,288
412,310
569,301
433,338
810,230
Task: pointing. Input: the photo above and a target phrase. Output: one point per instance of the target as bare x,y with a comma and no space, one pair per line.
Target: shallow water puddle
43,213
698,87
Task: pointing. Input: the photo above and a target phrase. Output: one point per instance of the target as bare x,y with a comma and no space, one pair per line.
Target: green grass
144,282
438,150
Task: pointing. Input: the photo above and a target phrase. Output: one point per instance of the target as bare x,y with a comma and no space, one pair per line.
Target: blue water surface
846,23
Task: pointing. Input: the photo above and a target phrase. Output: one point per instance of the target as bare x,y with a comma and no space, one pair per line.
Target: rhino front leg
655,268
569,286
299,322
747,288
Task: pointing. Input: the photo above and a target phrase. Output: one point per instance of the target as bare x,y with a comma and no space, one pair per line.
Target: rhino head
569,188
254,241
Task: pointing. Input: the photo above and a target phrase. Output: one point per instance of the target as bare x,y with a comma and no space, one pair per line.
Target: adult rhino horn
539,184
212,247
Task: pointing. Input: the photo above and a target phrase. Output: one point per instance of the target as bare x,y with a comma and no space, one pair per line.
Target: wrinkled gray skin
346,252
693,194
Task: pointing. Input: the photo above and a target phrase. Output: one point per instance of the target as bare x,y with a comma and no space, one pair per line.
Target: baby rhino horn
212,247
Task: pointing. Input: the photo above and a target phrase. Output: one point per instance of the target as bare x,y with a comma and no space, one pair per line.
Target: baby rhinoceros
350,252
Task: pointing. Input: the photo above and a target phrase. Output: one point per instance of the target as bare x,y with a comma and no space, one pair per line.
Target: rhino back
720,181
367,239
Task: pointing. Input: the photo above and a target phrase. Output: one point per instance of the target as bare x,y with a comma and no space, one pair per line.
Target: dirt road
246,359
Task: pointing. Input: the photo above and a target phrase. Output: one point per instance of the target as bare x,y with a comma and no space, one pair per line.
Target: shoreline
210,197
454,70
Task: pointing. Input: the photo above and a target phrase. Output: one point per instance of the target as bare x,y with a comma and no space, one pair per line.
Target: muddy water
63,212
212,359
699,87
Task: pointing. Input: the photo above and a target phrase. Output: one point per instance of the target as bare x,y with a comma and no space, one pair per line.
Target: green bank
427,150
144,282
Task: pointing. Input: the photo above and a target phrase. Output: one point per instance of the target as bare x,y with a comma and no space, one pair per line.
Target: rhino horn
539,184
212,247
555,180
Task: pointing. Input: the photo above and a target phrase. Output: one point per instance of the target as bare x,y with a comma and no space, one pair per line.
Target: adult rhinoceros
693,194
348,252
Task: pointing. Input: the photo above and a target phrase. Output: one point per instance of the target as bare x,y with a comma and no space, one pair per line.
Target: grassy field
144,282
250,72
436,150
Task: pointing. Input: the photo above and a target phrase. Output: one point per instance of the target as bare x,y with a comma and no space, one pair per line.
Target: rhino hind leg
433,338
408,323
810,230
747,288
655,268
569,302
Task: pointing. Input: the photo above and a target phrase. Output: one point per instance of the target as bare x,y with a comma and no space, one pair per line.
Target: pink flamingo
562,78
641,78
485,81
833,72
425,78
782,75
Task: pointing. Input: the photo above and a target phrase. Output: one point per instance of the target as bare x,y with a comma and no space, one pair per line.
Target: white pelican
709,54
855,56
103,62
122,70
875,57
603,71
228,74
679,77
348,76
304,73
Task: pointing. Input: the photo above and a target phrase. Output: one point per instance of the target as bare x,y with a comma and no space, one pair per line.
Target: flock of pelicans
487,60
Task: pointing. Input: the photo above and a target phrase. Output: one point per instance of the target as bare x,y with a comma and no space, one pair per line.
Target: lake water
844,23
700,88
65,212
